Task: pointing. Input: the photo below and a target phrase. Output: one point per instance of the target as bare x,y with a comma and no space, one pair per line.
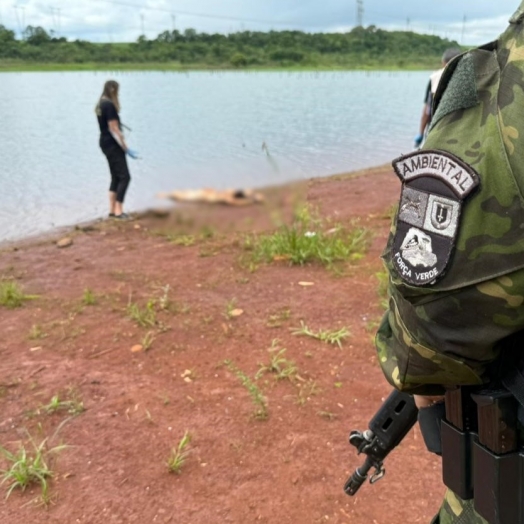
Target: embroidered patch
434,187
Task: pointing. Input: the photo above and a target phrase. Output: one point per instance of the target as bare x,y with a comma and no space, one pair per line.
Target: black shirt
106,111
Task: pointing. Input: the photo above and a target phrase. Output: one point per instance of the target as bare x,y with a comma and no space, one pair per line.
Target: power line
198,15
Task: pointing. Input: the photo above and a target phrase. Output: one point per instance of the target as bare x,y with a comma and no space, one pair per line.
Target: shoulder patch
434,186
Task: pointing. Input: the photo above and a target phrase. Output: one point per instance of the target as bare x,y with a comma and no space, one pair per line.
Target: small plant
209,251
183,240
11,295
184,308
164,302
259,400
278,364
278,318
327,415
145,317
382,290
71,406
207,232
331,337
179,454
148,340
88,298
306,391
230,308
36,332
27,467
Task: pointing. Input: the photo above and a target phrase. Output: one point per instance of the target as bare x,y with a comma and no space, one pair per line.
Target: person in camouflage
455,254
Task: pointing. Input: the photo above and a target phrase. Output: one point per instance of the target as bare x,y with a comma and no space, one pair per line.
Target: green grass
36,332
231,308
71,406
259,400
29,466
179,454
148,340
306,390
329,336
19,66
278,364
145,317
88,298
276,319
382,289
164,302
310,239
12,295
183,240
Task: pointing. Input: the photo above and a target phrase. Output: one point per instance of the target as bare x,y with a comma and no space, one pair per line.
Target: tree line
360,47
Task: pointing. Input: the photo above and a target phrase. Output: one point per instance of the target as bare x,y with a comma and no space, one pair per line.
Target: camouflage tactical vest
456,250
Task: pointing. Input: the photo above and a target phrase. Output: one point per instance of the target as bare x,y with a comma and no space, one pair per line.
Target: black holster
430,422
481,453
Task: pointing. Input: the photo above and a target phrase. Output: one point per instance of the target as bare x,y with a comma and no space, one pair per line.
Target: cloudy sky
470,22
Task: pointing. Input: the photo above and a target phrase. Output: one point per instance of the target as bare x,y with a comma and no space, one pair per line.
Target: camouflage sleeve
455,254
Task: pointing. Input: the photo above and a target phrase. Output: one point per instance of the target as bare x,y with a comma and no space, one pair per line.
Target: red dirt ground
289,468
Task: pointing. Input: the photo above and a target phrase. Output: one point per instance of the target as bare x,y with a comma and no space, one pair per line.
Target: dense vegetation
361,47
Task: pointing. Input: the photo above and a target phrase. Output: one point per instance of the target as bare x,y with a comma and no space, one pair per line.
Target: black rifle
387,428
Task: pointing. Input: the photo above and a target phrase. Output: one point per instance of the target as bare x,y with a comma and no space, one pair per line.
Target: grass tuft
309,239
12,296
179,454
382,290
280,366
71,406
88,298
29,466
145,317
331,337
259,400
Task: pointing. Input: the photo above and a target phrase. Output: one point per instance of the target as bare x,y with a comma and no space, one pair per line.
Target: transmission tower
463,30
360,12
55,14
20,19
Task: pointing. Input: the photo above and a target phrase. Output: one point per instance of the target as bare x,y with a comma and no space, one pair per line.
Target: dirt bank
202,300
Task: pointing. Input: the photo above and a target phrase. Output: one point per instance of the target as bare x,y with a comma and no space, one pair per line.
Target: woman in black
114,147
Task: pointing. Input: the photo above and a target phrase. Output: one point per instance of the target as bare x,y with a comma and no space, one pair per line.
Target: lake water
192,130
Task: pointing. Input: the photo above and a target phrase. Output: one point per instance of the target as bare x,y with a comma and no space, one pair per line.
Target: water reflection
193,129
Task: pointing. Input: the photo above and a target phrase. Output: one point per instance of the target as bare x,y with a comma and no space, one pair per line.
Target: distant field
177,66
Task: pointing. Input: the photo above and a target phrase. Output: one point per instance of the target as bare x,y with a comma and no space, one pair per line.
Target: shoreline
56,233
178,68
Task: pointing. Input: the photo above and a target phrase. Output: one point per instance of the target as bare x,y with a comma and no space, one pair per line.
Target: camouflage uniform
454,299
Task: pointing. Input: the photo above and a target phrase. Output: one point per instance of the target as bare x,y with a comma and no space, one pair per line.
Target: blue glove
418,139
132,154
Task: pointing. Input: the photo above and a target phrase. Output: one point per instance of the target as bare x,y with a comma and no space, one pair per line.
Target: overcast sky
471,22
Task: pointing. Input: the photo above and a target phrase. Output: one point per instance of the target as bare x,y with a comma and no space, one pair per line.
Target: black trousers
120,176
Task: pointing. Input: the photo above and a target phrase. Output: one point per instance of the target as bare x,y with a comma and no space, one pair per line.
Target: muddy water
192,130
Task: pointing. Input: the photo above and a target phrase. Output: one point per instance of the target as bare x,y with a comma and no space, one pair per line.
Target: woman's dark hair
110,92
